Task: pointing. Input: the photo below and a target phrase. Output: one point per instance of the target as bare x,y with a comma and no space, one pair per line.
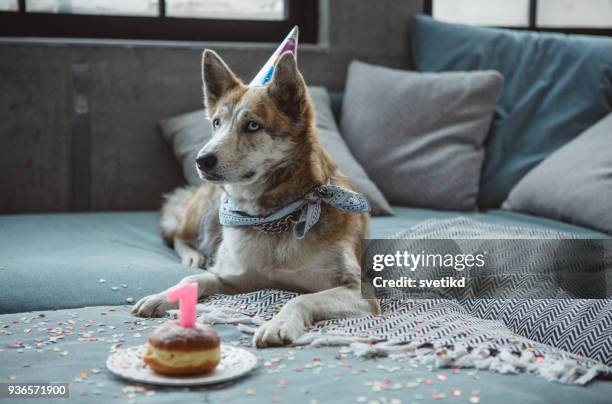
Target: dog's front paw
278,332
153,306
193,259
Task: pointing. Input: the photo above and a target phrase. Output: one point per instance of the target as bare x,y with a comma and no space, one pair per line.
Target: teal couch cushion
290,375
556,86
57,261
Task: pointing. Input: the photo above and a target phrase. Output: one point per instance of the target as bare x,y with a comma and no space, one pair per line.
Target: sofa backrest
556,86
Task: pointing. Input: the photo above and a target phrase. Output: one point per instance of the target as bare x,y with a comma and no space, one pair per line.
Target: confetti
102,280
438,396
114,288
42,334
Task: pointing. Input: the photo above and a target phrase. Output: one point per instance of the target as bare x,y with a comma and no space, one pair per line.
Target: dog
265,154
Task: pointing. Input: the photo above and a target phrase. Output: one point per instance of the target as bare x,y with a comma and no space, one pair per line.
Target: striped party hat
289,44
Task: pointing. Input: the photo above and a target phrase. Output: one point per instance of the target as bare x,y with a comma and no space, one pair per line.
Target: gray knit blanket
563,340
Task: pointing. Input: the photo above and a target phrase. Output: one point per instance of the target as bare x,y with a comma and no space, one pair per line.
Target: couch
67,281
74,275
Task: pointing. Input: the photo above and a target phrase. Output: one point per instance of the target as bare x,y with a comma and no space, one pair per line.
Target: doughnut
174,350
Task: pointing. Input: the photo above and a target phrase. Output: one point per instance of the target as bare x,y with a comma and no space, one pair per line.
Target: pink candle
187,296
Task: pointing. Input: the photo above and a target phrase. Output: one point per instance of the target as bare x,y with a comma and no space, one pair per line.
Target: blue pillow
556,86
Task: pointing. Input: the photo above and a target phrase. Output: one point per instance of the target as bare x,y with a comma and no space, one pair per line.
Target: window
193,20
240,9
8,5
513,13
571,16
94,7
575,13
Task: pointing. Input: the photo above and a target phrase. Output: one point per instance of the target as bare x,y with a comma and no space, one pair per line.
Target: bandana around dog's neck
301,214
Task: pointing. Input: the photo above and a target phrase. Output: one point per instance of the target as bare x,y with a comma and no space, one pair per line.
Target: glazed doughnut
179,351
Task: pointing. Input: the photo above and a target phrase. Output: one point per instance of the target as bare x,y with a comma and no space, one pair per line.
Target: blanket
563,340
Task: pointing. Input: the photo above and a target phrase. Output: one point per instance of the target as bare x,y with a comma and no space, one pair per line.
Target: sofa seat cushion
341,379
58,261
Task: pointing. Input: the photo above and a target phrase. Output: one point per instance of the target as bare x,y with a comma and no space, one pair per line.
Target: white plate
128,363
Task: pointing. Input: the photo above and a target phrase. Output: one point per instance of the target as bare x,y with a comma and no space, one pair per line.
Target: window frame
533,10
303,13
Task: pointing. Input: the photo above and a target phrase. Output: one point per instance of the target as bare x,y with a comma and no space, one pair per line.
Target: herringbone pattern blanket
564,340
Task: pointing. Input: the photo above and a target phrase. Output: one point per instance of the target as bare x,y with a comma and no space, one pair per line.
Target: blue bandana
301,214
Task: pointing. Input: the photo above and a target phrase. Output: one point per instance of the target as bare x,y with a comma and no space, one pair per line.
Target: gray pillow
420,136
189,132
574,184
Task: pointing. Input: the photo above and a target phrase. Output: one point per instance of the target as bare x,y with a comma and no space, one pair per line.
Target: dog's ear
217,78
288,89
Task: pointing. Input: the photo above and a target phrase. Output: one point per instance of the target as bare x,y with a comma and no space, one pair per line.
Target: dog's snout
207,162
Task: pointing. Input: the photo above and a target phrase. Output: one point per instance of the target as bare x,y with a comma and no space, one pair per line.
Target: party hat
288,45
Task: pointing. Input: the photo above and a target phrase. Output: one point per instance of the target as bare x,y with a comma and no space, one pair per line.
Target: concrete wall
89,140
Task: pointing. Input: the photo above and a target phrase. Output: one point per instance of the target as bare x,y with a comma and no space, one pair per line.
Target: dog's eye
216,123
252,126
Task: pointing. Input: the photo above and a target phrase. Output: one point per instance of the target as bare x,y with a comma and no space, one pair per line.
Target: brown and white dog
265,153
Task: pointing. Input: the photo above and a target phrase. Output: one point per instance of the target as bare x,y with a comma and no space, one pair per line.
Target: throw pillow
574,184
556,86
420,136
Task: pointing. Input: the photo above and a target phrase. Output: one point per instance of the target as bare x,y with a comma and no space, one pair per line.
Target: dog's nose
207,161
